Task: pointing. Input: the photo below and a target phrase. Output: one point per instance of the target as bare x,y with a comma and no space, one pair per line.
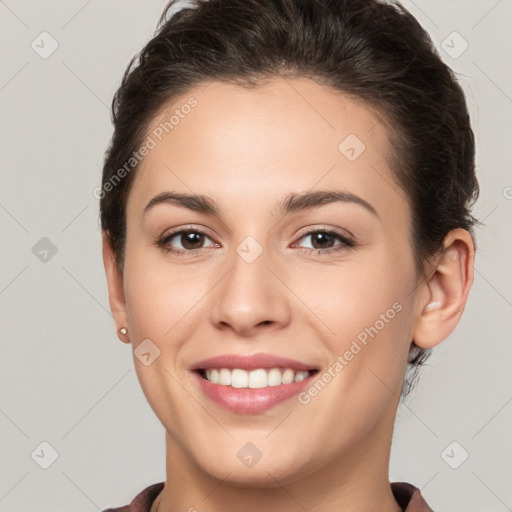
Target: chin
269,471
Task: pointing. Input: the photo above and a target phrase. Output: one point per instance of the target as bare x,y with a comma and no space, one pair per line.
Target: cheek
154,293
166,303
368,307
354,295
157,301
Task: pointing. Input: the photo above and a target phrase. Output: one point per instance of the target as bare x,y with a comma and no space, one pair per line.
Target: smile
251,383
254,379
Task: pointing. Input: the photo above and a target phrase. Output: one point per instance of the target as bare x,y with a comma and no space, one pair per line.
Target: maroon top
406,495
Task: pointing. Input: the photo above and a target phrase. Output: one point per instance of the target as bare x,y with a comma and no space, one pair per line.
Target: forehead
253,145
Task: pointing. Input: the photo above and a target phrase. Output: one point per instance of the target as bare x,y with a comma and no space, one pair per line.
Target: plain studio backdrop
76,431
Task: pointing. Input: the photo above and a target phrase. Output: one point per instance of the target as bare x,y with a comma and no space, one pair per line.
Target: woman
286,236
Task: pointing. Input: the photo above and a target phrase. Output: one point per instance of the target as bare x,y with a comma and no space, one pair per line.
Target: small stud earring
123,330
432,306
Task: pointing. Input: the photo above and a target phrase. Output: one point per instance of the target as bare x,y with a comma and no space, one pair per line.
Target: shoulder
143,501
409,497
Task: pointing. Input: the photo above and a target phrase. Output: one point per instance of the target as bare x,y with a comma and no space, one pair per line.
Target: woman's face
260,274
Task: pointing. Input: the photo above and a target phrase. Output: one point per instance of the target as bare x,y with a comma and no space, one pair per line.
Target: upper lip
251,362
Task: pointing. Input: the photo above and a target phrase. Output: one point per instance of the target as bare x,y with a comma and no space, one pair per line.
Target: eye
324,241
190,242
184,241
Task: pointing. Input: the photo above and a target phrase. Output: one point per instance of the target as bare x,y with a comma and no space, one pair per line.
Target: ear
115,287
446,290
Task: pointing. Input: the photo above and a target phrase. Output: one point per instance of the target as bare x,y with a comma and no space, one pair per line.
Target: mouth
251,384
254,379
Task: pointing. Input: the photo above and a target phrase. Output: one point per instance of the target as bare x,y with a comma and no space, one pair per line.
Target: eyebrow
291,203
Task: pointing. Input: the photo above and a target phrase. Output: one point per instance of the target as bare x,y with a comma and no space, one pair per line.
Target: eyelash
346,243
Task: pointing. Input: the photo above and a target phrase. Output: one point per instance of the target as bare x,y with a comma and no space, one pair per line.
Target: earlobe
115,288
447,290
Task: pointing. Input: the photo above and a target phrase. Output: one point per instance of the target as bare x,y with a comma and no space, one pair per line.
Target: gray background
66,380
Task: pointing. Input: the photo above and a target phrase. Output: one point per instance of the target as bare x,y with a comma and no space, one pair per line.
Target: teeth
257,379
254,379
274,377
300,376
239,378
288,376
225,377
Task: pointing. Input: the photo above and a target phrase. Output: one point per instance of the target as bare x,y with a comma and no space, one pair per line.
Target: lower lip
248,400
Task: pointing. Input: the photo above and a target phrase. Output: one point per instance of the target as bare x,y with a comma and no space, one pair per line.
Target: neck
355,481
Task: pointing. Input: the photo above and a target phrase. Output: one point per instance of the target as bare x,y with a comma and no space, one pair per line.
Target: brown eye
321,240
325,241
184,241
191,239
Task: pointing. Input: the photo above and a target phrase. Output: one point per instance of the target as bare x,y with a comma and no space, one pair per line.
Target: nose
251,297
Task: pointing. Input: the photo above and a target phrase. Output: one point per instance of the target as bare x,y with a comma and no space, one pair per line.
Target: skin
247,150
